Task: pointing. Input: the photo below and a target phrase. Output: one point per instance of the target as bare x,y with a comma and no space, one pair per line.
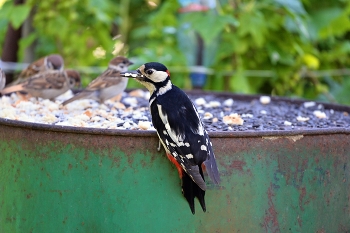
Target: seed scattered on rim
265,99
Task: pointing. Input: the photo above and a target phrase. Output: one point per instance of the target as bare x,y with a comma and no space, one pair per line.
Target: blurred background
294,48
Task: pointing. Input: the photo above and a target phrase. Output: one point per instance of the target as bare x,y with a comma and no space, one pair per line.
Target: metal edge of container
216,134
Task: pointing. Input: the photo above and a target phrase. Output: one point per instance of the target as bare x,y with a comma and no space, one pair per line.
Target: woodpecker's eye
149,72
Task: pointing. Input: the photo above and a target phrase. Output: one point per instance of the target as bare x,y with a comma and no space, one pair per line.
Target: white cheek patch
159,76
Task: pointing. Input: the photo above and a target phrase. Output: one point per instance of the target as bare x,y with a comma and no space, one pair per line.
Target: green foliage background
276,47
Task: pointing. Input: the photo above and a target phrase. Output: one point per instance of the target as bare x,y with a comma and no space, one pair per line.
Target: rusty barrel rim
216,134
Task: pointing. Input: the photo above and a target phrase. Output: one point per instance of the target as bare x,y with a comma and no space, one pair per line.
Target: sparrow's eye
149,72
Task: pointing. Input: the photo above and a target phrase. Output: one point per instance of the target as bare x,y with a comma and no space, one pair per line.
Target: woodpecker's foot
159,146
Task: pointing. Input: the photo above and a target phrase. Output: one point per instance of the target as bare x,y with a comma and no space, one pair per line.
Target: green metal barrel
66,179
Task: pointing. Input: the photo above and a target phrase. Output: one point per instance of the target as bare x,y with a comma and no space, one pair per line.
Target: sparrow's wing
33,68
108,78
47,80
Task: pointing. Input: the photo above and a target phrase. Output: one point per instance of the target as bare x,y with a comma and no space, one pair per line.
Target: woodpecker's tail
212,168
190,190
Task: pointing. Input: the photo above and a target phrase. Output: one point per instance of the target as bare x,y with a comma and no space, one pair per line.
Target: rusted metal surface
60,179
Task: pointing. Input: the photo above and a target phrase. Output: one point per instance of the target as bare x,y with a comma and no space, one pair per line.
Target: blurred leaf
330,22
16,14
337,27
19,13
294,6
6,9
297,25
239,83
218,83
339,90
282,37
322,18
208,25
26,42
253,24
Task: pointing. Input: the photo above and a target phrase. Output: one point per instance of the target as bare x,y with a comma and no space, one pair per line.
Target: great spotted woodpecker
180,130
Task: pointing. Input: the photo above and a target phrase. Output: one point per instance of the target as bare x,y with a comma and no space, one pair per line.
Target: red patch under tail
190,189
177,165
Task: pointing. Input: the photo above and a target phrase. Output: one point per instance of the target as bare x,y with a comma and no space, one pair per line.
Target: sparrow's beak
78,85
132,74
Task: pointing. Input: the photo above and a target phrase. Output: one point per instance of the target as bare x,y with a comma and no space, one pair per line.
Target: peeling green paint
67,183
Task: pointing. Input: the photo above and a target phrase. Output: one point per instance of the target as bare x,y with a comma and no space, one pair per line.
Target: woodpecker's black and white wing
182,133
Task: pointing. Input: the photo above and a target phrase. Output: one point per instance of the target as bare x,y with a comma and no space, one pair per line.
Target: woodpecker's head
152,75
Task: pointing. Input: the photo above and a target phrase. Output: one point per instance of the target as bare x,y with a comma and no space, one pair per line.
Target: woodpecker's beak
132,74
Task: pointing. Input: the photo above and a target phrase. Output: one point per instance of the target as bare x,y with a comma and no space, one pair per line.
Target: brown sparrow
47,84
2,79
50,62
106,85
74,78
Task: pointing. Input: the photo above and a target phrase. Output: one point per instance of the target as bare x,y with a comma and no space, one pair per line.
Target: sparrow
2,79
106,85
74,78
47,84
50,62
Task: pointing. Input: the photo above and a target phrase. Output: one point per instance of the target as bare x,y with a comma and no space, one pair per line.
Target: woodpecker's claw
159,146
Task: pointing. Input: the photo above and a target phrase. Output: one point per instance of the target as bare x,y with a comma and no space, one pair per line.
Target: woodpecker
180,130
